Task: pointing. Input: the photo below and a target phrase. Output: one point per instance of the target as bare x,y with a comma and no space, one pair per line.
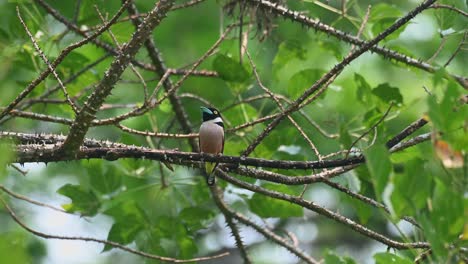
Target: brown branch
187,4
278,103
57,61
462,42
87,114
102,241
366,199
329,30
156,134
325,212
76,29
29,200
267,233
369,130
47,62
161,69
52,153
449,7
406,132
335,71
217,197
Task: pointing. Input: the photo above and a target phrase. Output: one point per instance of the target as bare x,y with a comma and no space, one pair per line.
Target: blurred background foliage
171,213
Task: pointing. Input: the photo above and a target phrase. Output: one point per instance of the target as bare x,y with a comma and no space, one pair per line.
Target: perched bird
211,138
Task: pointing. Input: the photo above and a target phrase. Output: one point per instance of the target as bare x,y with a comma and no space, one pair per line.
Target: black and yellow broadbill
211,138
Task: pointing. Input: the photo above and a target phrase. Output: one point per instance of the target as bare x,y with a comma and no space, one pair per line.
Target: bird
211,138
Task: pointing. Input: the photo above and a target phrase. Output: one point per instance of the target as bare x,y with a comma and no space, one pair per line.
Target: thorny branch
50,147
87,114
330,75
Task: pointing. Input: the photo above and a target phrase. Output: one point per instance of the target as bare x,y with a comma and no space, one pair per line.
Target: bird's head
210,113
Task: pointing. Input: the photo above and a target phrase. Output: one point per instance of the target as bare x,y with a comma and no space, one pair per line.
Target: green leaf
388,93
10,250
379,165
127,210
410,193
287,51
363,210
331,258
389,258
302,80
364,90
106,182
334,47
7,156
196,218
187,246
445,220
229,69
123,233
83,201
382,17
268,207
449,114
129,220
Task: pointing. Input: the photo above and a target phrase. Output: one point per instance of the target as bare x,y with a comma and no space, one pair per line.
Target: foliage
165,208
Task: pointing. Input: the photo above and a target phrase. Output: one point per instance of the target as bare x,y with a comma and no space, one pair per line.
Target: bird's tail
209,169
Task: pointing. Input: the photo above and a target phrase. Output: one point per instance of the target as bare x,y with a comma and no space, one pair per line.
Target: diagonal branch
161,69
262,230
217,197
335,71
325,212
87,114
329,30
57,61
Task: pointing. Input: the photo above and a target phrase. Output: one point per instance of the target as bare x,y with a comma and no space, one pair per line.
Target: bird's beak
206,110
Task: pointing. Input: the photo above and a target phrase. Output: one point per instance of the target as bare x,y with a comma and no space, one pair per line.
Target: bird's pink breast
211,138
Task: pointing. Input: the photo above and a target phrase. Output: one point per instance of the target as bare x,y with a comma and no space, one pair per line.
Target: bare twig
449,7
102,241
329,30
262,230
325,212
58,60
336,70
46,61
369,130
83,120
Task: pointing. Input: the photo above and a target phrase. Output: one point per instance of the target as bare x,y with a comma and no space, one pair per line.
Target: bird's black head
209,113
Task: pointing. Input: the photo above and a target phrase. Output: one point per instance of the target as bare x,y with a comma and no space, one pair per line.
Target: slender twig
102,241
58,60
460,45
76,29
262,230
47,62
87,114
449,7
362,27
369,130
296,16
116,42
186,4
216,193
335,71
161,70
323,211
278,103
29,200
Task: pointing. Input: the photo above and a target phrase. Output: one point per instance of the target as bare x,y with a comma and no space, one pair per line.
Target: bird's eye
215,112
